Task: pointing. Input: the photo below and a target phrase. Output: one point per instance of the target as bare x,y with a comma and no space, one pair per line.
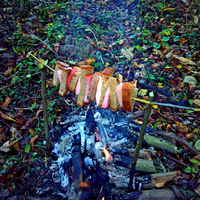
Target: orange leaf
86,62
182,40
33,141
19,121
17,147
9,176
6,103
93,44
20,111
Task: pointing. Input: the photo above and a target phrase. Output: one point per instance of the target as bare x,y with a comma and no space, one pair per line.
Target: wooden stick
44,100
167,105
139,142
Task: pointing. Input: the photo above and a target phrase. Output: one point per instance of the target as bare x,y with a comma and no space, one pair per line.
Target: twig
175,160
42,62
172,136
33,36
139,142
96,41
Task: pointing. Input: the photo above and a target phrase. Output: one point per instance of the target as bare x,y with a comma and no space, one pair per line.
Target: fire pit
93,155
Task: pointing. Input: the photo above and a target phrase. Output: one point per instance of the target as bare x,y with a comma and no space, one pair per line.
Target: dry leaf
33,140
6,117
20,111
16,146
6,103
5,147
161,178
56,47
2,137
184,60
86,62
38,112
190,80
127,53
196,101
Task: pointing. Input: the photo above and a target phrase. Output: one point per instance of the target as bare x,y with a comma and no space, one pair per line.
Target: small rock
190,79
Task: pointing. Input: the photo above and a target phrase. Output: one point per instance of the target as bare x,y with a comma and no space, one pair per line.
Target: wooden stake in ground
140,139
44,100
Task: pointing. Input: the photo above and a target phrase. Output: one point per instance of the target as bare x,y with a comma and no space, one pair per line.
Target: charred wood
77,177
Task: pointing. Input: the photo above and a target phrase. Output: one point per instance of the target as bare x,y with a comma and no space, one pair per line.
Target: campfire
94,156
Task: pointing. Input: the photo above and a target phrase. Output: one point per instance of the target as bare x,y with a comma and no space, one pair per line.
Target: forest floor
157,40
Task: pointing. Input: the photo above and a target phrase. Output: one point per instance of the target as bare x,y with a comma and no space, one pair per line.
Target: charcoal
90,122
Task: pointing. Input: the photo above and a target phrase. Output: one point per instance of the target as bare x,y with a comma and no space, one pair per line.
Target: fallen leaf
2,137
20,111
142,92
56,47
6,103
184,60
196,19
190,79
33,140
169,9
196,101
86,62
6,117
31,131
16,146
5,147
127,53
38,112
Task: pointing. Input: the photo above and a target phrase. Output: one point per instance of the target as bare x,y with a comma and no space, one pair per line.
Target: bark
45,115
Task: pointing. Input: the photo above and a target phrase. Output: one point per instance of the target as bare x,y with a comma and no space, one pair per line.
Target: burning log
142,165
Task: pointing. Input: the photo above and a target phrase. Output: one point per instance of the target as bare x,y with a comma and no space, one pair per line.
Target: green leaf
176,39
34,154
196,162
188,170
190,102
156,45
27,148
165,44
28,76
40,65
49,34
165,39
194,170
33,105
3,171
132,36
